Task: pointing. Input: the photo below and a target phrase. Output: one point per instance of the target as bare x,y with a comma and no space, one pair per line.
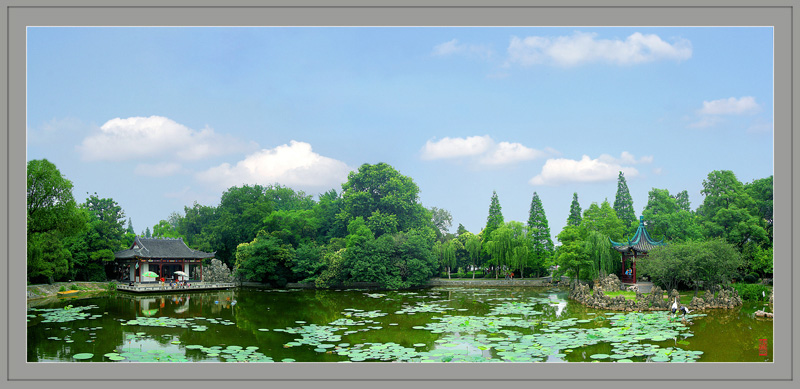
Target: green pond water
427,325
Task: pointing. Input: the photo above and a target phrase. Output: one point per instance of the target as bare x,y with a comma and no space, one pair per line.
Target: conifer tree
495,219
539,233
574,218
623,204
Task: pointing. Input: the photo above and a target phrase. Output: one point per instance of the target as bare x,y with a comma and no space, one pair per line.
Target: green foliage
265,259
495,218
473,246
442,220
541,248
729,212
598,248
381,188
63,288
574,218
753,292
394,261
602,219
695,264
623,203
571,256
48,259
667,218
308,262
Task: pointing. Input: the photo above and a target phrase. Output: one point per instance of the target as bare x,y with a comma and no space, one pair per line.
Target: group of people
176,283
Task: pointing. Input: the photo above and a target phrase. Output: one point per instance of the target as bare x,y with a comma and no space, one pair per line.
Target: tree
598,248
147,233
541,247
381,188
461,230
495,218
761,192
51,207
574,218
726,211
93,249
441,219
571,256
667,217
129,229
52,217
696,264
473,246
504,247
623,204
265,259
602,219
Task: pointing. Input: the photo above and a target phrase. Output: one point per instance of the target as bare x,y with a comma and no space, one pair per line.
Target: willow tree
473,247
598,247
449,256
504,246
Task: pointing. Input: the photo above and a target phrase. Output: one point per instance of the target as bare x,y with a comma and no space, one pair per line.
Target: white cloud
294,165
484,149
713,111
155,137
581,48
730,106
158,170
506,153
456,147
558,171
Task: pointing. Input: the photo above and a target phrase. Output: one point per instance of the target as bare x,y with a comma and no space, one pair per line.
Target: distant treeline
376,230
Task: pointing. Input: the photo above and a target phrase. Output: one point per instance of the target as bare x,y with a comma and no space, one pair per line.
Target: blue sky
160,118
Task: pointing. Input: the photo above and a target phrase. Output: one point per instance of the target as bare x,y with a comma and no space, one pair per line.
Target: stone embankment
653,301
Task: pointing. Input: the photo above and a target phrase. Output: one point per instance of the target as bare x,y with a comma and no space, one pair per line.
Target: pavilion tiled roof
160,248
641,241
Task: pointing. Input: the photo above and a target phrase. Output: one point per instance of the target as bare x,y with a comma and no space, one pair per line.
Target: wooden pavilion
163,256
635,248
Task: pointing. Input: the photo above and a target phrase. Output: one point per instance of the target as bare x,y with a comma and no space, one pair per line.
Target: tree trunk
448,272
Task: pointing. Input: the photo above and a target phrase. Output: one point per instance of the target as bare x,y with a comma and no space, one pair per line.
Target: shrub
751,278
62,288
753,292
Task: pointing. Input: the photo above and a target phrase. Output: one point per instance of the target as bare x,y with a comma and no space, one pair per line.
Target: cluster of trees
725,238
67,240
376,230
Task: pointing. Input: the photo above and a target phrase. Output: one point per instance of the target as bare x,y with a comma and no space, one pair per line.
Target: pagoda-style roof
640,243
161,248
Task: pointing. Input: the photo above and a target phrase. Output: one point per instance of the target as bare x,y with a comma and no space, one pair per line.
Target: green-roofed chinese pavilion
634,248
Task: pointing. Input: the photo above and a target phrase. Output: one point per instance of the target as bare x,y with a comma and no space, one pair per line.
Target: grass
629,295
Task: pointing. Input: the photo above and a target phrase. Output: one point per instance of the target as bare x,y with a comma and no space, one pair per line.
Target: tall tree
602,219
571,256
52,216
51,207
381,187
473,246
574,218
541,248
682,201
495,218
667,217
726,211
442,220
623,203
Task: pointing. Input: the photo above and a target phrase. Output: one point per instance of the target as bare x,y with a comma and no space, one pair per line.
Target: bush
751,278
62,288
753,292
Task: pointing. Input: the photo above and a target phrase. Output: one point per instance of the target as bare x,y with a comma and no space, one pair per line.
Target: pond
443,324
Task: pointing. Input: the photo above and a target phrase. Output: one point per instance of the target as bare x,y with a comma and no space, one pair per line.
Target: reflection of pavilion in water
180,303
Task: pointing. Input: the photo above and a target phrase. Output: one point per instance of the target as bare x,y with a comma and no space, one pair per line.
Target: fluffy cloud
730,106
581,48
294,165
456,147
506,153
713,111
154,137
558,171
483,147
